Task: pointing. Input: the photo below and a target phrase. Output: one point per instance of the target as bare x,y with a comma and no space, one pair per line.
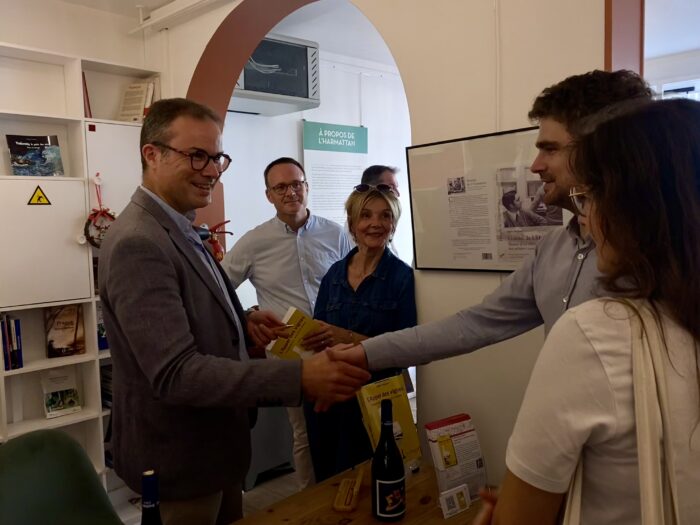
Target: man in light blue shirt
285,259
562,272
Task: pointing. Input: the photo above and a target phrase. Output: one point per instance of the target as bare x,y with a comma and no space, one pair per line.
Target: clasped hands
330,376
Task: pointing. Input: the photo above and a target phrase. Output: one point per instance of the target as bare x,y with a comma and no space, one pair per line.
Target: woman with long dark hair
612,409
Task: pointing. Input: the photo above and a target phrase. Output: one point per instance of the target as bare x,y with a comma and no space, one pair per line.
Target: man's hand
352,354
327,381
261,325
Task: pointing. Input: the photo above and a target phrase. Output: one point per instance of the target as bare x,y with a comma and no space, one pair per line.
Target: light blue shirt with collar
561,274
286,266
185,222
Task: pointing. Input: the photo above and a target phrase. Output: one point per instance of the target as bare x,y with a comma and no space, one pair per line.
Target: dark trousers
337,438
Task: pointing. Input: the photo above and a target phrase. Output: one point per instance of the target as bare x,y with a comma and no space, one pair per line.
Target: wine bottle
388,476
150,503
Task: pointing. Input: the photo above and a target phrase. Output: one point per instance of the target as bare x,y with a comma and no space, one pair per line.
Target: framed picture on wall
475,203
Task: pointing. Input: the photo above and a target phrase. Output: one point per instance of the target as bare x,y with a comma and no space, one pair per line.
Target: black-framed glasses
281,188
364,188
199,159
580,200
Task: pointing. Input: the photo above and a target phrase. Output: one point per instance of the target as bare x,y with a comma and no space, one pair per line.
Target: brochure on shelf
61,395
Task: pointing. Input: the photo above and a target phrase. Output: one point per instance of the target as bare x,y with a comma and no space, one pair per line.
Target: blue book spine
6,344
18,339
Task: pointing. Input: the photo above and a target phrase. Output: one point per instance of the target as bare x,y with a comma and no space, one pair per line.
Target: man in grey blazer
182,379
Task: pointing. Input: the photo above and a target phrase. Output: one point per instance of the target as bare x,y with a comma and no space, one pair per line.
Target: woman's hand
327,335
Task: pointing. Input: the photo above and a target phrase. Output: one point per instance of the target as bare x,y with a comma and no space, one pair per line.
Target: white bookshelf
46,262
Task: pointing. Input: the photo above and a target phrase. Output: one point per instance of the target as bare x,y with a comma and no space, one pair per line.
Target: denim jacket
384,301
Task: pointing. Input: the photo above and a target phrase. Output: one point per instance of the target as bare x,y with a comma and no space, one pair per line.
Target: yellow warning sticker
39,198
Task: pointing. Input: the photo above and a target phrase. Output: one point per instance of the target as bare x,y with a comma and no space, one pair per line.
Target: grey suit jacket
180,393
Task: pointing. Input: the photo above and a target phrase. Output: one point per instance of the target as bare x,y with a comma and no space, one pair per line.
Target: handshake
334,375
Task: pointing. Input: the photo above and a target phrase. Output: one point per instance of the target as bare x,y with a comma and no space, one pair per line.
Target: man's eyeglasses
364,188
281,188
199,159
579,198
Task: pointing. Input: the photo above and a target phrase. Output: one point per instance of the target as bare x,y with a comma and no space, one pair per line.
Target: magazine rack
46,261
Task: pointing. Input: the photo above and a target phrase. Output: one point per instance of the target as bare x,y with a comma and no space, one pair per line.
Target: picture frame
475,204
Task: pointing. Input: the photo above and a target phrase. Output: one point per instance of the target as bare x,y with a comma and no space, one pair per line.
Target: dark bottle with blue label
388,476
150,502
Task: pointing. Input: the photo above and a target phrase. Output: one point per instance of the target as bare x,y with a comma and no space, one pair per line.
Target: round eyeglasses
364,188
580,200
199,159
281,188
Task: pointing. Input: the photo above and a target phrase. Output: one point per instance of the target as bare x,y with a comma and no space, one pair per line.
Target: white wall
672,68
354,93
74,30
178,49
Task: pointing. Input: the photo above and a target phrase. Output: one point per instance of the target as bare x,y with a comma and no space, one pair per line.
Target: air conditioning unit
281,76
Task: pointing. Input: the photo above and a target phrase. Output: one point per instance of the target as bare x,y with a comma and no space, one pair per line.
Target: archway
218,68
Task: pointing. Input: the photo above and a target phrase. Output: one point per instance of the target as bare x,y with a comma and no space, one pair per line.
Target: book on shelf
86,99
65,330
106,385
102,343
370,399
60,389
136,99
95,267
291,347
153,93
35,155
11,336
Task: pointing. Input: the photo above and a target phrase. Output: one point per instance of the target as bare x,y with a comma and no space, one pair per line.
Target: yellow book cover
291,347
370,398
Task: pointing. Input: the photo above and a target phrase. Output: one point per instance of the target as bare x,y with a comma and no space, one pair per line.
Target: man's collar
574,230
307,224
183,220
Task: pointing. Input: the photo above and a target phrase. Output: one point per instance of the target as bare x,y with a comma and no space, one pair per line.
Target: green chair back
46,478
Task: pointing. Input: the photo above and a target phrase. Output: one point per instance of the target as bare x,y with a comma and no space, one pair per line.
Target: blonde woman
367,293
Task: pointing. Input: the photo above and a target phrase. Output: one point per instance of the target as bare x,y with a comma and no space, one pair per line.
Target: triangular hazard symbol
39,197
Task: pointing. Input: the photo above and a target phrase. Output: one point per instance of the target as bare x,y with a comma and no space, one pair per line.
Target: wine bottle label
391,497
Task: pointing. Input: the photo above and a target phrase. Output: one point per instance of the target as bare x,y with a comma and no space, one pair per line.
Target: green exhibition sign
334,137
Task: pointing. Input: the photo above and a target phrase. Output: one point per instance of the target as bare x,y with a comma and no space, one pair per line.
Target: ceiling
339,27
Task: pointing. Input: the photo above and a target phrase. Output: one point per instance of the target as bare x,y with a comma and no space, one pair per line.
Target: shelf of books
55,370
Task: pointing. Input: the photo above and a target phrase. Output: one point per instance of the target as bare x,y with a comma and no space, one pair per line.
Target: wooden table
314,505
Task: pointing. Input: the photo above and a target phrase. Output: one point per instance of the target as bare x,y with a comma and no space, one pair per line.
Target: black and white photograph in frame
492,215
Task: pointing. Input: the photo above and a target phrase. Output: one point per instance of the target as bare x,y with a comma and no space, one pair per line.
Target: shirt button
564,300
579,256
